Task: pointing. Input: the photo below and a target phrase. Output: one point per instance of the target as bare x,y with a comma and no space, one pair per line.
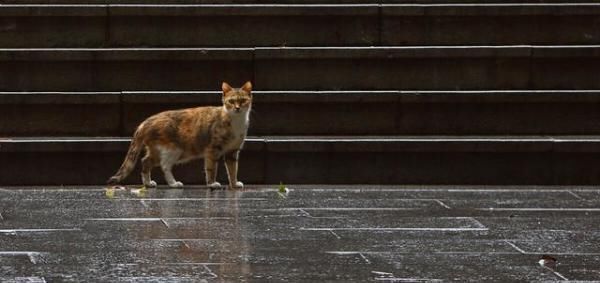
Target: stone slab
494,27
91,23
282,68
424,68
118,69
389,112
88,244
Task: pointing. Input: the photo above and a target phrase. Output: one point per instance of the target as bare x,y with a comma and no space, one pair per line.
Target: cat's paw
237,185
214,185
150,184
176,185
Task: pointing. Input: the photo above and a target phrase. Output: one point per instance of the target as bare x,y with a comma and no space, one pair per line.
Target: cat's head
237,100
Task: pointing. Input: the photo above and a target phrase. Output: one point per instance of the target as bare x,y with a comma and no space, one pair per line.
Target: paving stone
583,273
475,266
514,204
429,192
543,221
313,233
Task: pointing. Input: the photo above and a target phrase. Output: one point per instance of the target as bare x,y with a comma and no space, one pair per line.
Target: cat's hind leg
148,162
168,158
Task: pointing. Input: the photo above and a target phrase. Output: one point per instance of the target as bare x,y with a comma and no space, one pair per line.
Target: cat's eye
243,101
230,101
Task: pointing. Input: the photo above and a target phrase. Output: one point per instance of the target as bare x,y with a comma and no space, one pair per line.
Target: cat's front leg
210,169
231,163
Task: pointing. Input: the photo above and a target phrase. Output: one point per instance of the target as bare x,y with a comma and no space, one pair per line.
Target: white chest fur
240,122
239,128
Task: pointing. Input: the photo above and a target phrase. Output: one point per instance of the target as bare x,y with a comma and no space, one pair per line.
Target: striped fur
178,136
133,153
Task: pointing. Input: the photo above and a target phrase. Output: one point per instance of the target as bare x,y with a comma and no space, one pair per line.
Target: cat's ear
247,87
226,87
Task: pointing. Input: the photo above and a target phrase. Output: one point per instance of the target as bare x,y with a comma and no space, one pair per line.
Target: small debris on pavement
547,261
110,192
141,192
283,191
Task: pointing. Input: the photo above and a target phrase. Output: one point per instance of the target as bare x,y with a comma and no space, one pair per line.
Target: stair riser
323,168
364,26
357,72
60,120
387,117
490,30
428,73
120,75
242,31
206,31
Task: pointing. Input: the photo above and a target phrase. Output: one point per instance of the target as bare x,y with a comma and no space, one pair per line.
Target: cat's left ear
247,87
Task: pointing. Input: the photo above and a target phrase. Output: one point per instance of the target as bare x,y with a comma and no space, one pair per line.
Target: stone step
249,25
490,160
302,68
490,112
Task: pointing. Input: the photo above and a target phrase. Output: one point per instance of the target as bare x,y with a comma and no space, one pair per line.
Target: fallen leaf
110,193
139,192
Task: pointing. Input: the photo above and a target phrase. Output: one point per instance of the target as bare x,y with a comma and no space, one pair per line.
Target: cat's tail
135,148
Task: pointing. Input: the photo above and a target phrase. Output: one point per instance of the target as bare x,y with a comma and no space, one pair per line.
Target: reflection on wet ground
312,233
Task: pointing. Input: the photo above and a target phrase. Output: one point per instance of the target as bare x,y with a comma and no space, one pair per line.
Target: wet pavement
312,233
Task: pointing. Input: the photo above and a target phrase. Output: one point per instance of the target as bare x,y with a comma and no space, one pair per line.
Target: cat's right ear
247,87
226,87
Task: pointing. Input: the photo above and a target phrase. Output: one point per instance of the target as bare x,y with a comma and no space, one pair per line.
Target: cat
178,136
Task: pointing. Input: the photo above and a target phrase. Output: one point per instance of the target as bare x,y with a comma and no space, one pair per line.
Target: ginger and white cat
178,136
